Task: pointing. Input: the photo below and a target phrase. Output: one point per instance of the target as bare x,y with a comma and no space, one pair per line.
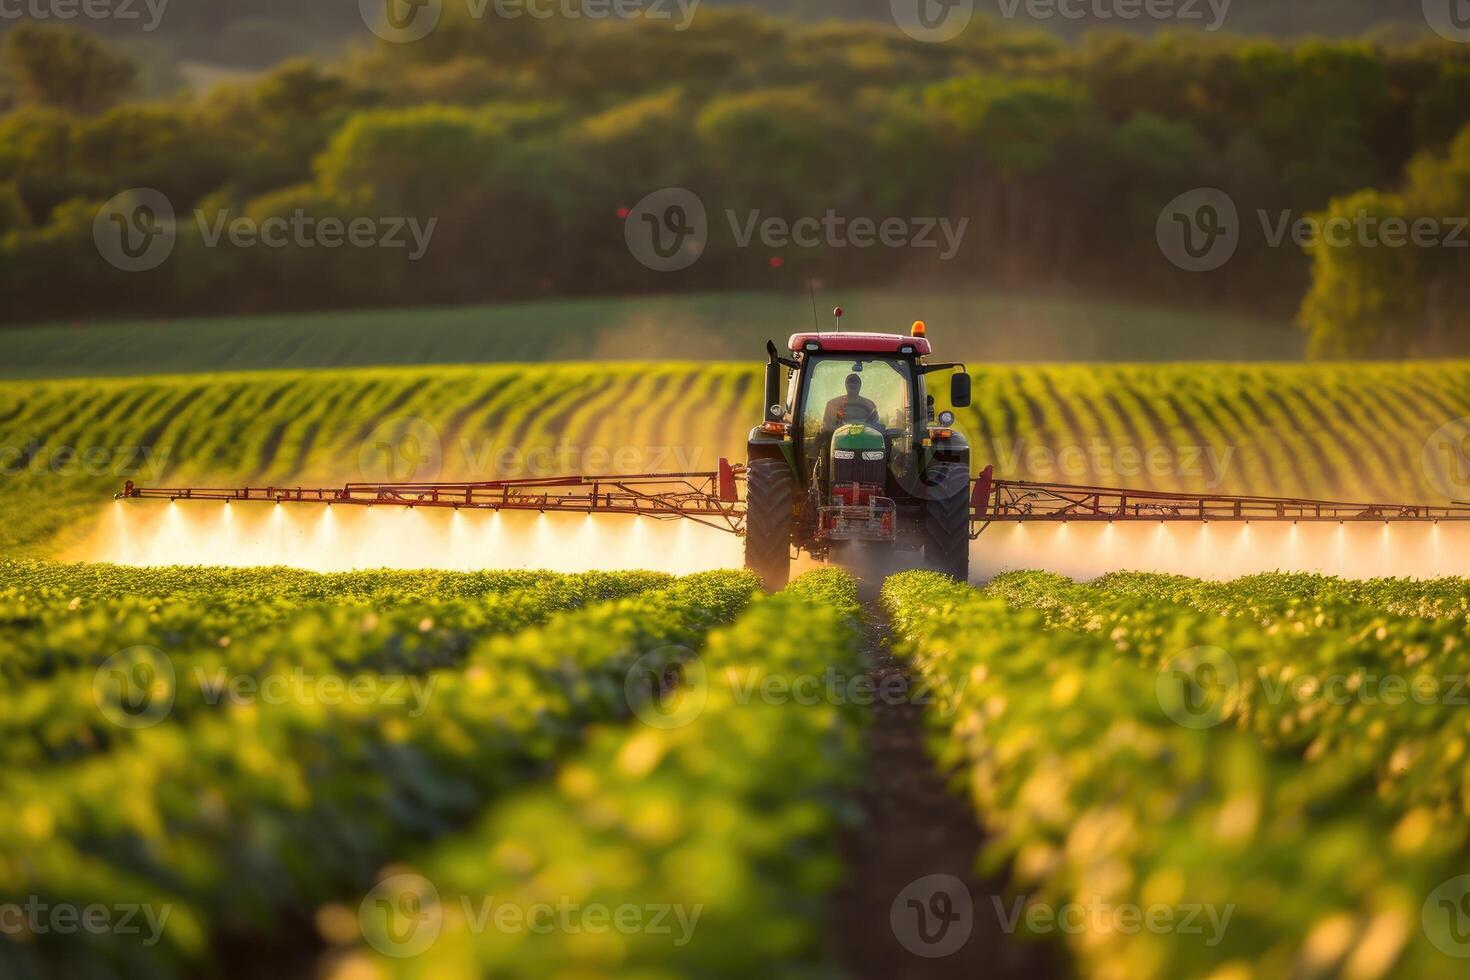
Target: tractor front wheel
769,489
947,520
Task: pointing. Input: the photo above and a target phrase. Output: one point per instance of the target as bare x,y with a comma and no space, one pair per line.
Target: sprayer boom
1013,500
713,499
708,498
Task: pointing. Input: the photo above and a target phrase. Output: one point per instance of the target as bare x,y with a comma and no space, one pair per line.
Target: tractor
851,454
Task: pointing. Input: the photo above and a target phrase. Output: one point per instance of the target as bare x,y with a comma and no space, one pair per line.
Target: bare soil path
912,907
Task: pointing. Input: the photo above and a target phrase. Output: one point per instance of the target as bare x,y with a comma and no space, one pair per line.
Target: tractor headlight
844,454
873,456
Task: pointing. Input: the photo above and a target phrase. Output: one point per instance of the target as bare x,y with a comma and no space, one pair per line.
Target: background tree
1370,298
58,66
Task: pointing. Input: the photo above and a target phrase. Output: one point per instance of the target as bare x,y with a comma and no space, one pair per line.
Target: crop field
997,326
259,771
1285,753
1352,431
512,774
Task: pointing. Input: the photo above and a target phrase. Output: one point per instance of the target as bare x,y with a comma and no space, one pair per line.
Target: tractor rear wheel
769,490
947,520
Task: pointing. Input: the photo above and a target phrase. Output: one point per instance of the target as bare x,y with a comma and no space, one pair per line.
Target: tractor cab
853,430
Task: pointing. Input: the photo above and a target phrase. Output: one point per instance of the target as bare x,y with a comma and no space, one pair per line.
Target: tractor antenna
811,286
837,319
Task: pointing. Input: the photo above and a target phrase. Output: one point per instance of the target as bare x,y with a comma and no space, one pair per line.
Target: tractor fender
763,445
955,449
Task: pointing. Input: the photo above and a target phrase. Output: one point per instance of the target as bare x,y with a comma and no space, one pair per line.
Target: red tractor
851,450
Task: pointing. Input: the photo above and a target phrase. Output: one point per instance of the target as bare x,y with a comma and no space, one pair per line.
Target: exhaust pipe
774,409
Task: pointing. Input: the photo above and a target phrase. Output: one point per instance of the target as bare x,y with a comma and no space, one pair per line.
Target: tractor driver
851,407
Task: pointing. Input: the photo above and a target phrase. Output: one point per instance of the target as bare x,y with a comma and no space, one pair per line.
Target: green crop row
246,820
697,842
1367,699
1097,795
48,581
55,618
1299,596
1295,601
84,707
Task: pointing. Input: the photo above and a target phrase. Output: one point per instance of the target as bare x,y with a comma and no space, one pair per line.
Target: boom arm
713,499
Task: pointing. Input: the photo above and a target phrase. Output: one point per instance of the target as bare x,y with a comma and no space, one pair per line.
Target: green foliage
731,818
13,213
1322,824
1017,123
245,817
1373,297
524,142
57,66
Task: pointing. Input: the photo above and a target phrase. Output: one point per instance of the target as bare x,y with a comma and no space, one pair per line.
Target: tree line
527,142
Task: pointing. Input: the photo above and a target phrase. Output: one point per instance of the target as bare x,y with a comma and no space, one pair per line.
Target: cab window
884,389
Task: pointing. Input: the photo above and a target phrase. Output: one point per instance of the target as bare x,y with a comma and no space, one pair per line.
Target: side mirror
959,390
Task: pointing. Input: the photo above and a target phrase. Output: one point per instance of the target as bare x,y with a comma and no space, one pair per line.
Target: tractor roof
860,343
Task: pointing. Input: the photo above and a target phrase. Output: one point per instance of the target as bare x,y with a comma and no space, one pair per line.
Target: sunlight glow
344,538
1220,550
